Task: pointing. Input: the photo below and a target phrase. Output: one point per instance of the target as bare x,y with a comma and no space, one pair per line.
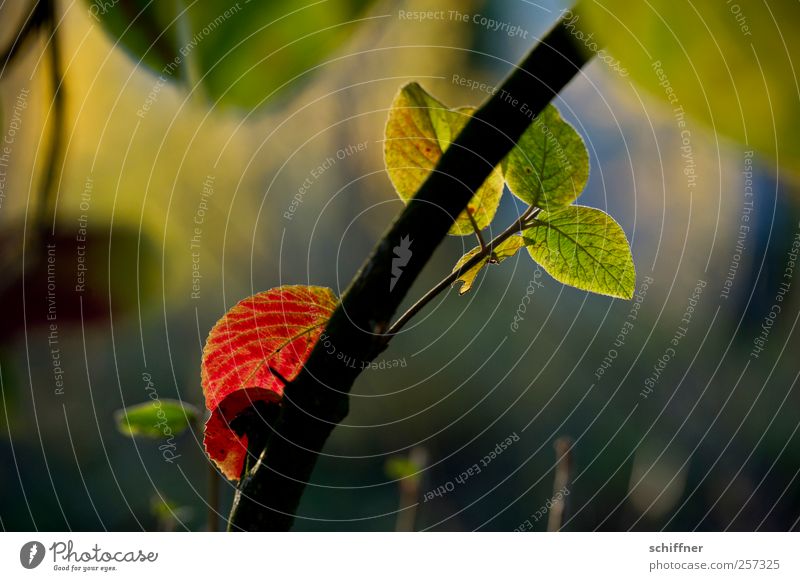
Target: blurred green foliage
160,418
214,42
726,63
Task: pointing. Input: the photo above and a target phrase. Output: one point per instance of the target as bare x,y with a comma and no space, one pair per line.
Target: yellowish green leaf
549,166
585,248
505,249
419,130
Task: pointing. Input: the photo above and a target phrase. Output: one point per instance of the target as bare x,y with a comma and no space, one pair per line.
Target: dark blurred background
708,441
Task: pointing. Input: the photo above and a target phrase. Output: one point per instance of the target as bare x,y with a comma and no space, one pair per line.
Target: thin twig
409,492
477,230
517,226
213,497
46,212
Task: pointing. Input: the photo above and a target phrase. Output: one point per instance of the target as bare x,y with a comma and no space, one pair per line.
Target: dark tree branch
317,400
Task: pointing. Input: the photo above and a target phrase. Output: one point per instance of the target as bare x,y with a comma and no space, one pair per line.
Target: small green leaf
505,249
583,247
419,130
549,166
160,418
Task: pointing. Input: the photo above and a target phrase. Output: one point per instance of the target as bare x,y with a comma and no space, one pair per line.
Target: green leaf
419,130
728,64
583,247
241,52
506,249
160,418
549,166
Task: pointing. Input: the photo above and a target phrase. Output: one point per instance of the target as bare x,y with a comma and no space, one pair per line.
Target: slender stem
46,212
518,225
561,482
189,67
452,277
409,492
477,230
213,497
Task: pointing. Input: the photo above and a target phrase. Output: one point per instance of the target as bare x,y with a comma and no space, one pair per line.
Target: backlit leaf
549,166
585,248
505,249
419,130
160,418
262,339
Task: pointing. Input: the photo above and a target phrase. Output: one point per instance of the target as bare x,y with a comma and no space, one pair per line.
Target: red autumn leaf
263,338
